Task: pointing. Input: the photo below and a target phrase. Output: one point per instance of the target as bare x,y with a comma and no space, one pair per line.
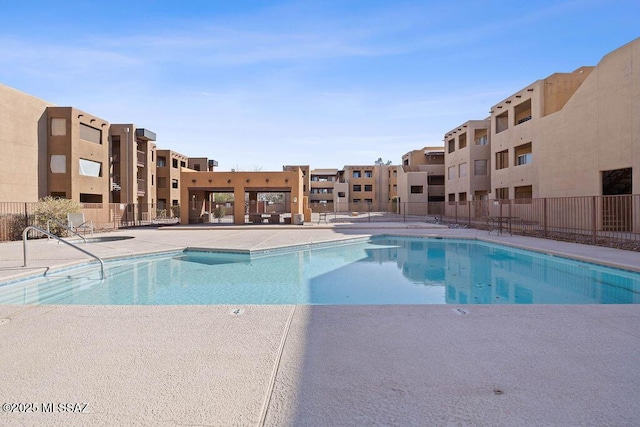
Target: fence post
455,211
469,211
404,211
26,215
593,219
544,216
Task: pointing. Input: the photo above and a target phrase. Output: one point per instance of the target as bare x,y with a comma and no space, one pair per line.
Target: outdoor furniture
499,223
274,218
76,221
322,216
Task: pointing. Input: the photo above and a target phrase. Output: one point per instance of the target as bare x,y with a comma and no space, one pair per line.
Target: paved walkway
314,365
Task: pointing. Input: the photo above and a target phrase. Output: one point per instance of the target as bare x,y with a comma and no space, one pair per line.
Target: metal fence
597,220
15,217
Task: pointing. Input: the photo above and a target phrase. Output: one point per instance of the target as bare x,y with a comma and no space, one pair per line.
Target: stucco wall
23,144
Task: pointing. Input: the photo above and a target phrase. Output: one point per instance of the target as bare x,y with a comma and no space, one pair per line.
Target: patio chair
76,222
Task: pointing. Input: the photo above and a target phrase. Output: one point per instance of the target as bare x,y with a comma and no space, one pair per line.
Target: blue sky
260,84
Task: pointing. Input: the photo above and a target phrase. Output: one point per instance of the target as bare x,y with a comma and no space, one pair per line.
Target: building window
174,183
368,174
417,189
90,134
462,170
451,172
196,167
451,197
58,163
162,162
357,187
368,201
58,127
341,194
174,163
183,164
151,179
174,202
481,137
152,155
502,122
356,200
462,141
523,154
162,182
462,197
368,187
90,168
479,167
524,193
452,145
502,193
90,198
357,174
502,159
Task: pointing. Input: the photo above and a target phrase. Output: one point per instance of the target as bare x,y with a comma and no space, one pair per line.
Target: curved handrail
66,227
32,227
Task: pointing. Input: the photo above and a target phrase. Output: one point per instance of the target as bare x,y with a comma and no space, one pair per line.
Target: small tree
54,211
219,213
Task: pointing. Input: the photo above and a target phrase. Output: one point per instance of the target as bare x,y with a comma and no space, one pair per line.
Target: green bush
54,211
175,211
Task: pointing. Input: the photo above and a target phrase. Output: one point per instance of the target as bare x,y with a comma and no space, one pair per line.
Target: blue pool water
385,270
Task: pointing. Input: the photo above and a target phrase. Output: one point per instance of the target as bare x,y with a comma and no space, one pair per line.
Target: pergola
195,186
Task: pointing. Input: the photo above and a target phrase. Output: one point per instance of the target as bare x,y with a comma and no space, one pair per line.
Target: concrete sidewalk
314,365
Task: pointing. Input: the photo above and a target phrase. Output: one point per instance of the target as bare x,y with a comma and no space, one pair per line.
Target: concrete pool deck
315,365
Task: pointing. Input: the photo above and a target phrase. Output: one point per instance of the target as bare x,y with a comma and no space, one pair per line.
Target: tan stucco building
468,161
421,180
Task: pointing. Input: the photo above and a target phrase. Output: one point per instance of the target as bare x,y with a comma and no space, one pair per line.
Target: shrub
175,211
219,213
54,211
15,224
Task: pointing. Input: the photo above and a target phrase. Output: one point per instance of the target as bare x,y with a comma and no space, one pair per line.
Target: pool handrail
33,227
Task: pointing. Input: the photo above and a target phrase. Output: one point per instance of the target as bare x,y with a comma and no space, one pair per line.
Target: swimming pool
382,270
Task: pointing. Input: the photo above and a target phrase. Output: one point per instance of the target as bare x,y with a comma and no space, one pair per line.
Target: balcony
141,187
522,112
141,159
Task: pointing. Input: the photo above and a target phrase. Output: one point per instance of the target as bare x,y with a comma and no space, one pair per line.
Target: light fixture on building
228,181
193,181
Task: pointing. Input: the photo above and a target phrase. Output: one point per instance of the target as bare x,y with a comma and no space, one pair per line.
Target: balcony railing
141,159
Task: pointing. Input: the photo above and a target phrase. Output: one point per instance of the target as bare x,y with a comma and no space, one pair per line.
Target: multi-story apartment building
306,177
516,133
364,186
78,155
203,164
468,161
168,166
133,164
421,179
322,182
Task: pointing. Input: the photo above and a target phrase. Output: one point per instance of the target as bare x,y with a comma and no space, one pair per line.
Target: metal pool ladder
32,227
